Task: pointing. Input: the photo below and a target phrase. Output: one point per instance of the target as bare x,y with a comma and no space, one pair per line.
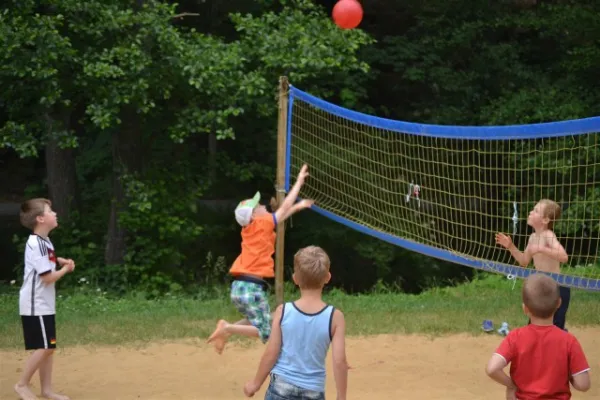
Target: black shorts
39,332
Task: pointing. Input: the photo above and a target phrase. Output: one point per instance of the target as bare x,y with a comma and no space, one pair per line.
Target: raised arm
338,353
288,207
523,258
301,205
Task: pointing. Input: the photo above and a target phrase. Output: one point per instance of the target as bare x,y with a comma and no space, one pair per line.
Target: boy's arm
495,370
338,352
285,209
578,367
523,258
581,381
301,205
269,358
62,261
555,250
53,276
45,268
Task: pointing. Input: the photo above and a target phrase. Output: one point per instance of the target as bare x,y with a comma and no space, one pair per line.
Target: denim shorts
281,390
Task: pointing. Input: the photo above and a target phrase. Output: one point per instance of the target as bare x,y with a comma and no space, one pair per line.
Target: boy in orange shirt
254,264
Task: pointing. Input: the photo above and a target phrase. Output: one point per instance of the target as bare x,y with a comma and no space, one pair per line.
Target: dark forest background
146,122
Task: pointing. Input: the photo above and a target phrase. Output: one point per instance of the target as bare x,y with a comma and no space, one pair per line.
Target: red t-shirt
542,359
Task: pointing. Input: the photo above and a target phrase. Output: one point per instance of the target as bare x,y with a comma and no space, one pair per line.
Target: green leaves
300,41
137,90
105,55
18,137
31,64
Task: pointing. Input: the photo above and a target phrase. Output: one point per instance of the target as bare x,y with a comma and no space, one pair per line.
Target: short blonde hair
31,209
541,295
311,267
551,211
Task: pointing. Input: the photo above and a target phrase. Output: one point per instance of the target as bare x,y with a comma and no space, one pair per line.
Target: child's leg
33,364
25,393
560,317
238,297
258,315
221,333
46,379
243,329
39,333
251,300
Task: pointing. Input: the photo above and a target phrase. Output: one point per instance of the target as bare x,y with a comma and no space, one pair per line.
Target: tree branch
185,14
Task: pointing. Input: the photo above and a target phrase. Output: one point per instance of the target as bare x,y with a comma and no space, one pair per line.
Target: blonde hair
31,209
551,211
311,267
541,295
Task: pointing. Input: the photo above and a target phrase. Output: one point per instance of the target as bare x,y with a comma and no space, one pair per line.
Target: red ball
347,14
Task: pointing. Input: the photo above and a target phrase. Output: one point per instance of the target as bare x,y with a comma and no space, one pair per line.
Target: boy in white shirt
37,297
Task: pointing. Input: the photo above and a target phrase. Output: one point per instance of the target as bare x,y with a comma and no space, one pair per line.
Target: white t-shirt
37,298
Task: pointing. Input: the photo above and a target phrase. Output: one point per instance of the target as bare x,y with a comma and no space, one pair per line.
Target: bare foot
54,396
24,392
219,336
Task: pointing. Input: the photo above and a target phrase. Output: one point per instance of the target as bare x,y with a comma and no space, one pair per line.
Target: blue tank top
305,340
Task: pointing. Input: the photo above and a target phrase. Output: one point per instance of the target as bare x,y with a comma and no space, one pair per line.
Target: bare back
543,262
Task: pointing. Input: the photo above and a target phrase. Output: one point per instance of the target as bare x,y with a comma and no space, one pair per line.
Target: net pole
281,149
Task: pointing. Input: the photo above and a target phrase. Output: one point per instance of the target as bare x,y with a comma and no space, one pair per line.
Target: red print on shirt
52,256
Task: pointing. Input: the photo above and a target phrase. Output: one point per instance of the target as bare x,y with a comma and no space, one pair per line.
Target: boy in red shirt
255,264
543,358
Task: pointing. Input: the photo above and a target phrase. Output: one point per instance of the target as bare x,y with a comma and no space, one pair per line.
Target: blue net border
505,132
576,282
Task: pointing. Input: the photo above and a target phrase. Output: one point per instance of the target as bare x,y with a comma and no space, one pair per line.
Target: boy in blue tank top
300,337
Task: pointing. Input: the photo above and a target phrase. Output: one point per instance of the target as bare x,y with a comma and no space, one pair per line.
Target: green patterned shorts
251,300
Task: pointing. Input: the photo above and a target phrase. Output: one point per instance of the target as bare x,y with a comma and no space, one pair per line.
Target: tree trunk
61,173
212,158
126,149
115,243
61,179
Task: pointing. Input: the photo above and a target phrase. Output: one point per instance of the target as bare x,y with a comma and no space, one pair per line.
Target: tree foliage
168,109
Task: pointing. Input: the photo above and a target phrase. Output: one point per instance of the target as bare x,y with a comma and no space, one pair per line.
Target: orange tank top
258,246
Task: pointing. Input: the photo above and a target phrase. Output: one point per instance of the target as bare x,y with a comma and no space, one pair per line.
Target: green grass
90,318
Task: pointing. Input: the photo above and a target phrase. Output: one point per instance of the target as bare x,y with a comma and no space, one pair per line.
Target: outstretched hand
503,240
303,173
305,203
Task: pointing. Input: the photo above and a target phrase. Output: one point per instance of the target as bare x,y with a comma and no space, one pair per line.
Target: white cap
244,210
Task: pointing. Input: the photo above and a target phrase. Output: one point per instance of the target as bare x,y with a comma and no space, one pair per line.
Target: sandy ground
384,367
